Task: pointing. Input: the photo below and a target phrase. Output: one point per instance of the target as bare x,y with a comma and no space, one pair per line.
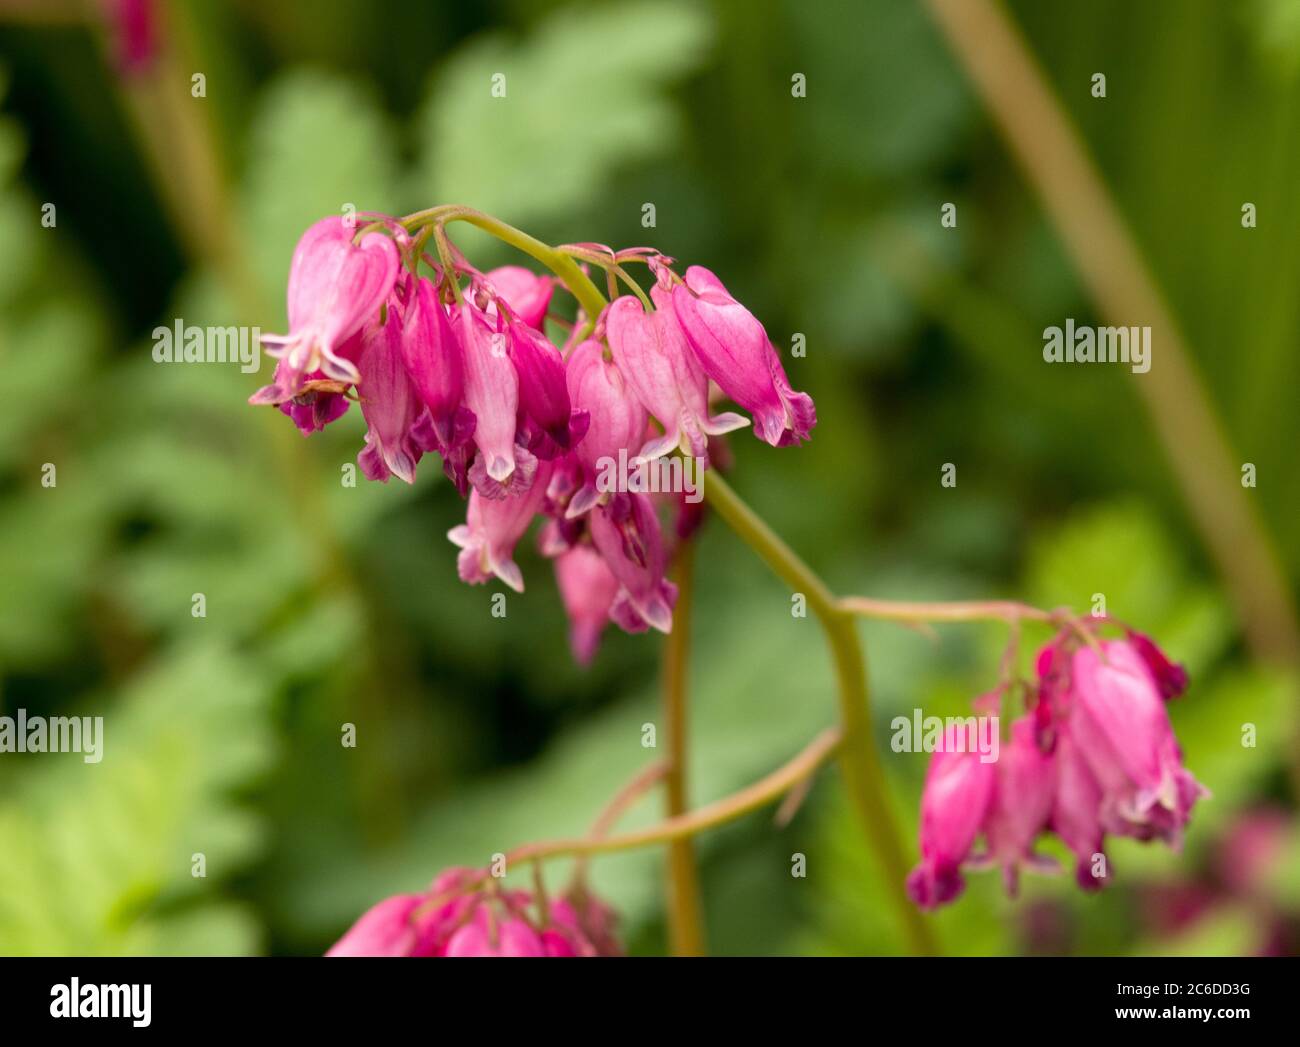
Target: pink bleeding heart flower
1076,813
958,793
390,928
588,588
493,528
435,361
627,535
1022,805
554,425
618,421
661,370
335,288
526,293
736,353
1119,721
492,394
391,405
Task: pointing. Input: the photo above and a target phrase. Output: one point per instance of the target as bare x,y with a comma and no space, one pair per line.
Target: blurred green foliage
330,605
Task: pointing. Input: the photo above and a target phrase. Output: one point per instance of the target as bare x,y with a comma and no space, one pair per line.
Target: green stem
685,917
578,283
760,794
864,778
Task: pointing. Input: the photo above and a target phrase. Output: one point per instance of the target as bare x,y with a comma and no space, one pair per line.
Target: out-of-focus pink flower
135,32
390,403
626,533
526,293
390,928
588,589
652,354
618,421
1251,849
492,394
958,793
1022,804
1170,678
335,288
1119,721
554,425
736,353
493,528
457,918
1076,814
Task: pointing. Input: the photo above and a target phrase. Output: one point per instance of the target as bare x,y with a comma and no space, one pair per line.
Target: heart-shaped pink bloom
391,405
735,351
652,354
493,528
335,288
492,394
627,535
1120,723
617,419
588,588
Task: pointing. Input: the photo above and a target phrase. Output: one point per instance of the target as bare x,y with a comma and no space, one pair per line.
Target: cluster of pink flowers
464,914
521,425
1094,754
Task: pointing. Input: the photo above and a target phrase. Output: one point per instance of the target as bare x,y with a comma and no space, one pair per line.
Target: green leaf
98,856
584,95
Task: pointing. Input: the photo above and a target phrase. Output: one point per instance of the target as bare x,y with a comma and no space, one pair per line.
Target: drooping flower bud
435,361
335,288
618,421
958,792
735,351
1022,804
554,425
492,394
652,354
1076,813
390,403
588,589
